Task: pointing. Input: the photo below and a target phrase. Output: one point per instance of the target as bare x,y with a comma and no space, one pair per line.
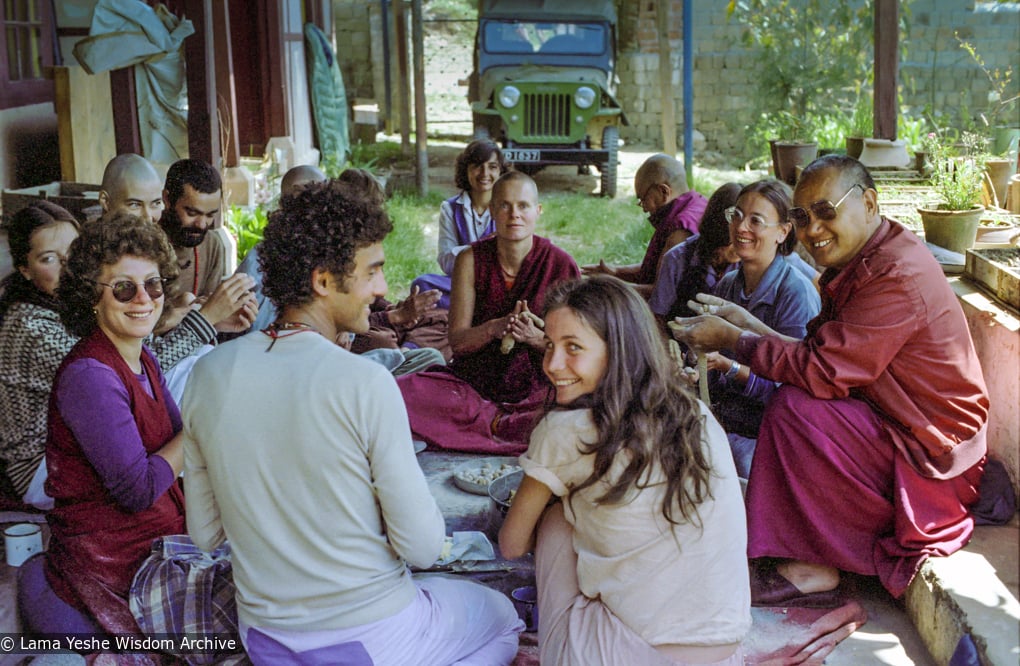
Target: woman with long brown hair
644,560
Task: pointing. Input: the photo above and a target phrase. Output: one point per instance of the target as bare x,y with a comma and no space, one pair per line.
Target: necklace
506,272
283,329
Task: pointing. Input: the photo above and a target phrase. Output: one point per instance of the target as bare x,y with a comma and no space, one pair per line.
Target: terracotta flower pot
999,171
854,146
793,154
954,230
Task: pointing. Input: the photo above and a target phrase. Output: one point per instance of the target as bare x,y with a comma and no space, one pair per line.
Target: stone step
972,592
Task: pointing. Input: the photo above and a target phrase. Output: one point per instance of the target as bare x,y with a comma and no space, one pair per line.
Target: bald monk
674,211
299,176
131,185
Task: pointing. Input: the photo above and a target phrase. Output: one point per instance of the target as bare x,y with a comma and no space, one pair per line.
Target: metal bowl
499,490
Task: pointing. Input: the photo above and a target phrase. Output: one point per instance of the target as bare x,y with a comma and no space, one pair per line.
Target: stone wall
936,72
354,37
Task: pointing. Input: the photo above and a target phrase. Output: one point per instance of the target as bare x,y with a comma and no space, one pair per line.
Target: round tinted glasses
125,290
824,210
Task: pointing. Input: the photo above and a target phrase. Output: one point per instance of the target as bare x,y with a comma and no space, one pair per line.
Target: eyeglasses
641,198
734,215
126,290
824,210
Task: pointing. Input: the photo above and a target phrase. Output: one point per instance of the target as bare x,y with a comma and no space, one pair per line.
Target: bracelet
732,372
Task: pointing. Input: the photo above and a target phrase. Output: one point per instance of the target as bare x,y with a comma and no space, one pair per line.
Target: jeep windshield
516,37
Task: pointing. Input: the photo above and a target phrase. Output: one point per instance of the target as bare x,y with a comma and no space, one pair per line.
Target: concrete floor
889,637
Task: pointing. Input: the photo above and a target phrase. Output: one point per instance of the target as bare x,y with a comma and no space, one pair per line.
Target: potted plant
957,181
1002,98
997,228
861,123
795,147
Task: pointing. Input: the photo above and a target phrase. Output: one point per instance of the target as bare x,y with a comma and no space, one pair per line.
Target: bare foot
809,577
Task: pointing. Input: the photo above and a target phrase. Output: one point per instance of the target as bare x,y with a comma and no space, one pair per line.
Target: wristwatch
732,372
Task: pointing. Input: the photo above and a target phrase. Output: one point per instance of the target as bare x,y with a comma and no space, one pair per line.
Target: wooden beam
403,82
199,50
666,78
420,143
886,67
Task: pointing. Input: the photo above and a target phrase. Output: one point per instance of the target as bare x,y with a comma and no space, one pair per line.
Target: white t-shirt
687,585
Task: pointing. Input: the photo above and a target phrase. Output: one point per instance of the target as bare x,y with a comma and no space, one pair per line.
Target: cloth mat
778,637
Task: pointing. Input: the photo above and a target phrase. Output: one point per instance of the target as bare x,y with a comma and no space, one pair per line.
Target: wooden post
666,78
418,47
276,112
403,83
886,67
227,102
125,121
203,127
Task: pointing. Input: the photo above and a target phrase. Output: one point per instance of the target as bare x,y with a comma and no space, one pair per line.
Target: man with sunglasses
870,454
674,211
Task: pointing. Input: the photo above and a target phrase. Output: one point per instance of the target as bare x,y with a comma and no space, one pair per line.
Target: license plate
514,155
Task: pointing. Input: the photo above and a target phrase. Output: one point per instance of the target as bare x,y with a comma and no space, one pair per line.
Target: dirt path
442,154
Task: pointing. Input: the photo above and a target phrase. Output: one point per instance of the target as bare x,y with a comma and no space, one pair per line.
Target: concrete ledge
967,593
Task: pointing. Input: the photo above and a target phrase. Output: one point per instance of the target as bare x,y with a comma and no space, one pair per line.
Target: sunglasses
126,290
734,215
824,210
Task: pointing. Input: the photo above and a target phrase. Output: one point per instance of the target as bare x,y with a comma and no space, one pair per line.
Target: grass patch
588,228
411,247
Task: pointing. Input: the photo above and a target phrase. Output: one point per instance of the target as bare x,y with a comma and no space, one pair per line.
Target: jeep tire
611,143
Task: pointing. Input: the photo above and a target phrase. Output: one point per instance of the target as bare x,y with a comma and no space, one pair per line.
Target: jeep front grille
546,115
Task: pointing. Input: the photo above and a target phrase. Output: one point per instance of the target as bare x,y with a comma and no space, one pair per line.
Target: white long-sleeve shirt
302,458
450,242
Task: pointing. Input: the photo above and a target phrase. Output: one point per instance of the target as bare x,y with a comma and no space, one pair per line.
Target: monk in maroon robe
870,455
487,401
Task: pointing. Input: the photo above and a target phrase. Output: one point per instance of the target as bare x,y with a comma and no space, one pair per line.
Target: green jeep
543,82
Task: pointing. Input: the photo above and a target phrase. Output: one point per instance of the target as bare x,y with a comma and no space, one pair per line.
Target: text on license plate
515,155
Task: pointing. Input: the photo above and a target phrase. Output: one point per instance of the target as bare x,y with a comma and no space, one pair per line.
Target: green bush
246,225
812,56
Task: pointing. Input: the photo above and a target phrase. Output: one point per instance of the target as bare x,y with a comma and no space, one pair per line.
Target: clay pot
954,230
793,154
854,146
884,153
999,171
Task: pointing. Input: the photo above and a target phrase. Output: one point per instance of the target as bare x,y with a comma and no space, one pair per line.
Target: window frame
14,94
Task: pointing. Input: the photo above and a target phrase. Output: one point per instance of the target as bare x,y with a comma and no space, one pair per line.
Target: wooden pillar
274,84
199,50
126,135
886,67
666,78
403,83
421,150
227,101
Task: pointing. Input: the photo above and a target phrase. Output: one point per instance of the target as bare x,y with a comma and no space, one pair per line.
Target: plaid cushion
181,590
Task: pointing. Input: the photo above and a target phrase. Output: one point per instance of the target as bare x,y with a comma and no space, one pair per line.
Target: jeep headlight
509,96
584,97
